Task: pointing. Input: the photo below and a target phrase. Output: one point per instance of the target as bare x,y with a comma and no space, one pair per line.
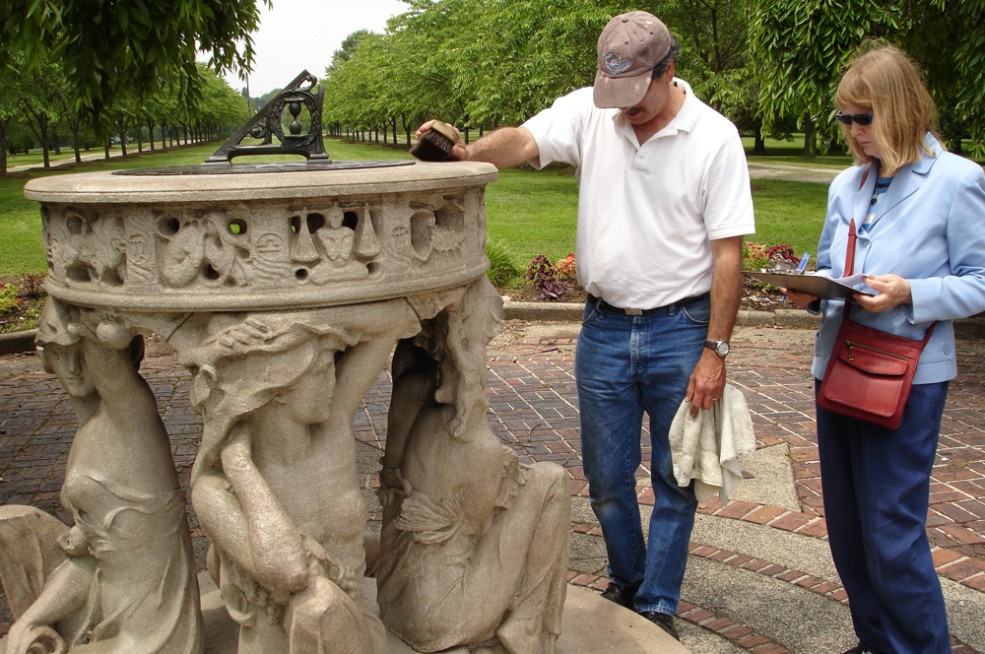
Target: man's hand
707,383
458,150
504,147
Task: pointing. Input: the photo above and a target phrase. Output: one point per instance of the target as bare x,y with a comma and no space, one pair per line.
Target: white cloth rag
706,447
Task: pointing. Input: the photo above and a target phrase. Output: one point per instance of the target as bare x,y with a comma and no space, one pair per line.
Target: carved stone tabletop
261,240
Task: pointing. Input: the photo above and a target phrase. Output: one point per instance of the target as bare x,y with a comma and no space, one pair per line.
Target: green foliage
947,39
502,272
8,299
21,299
801,46
108,48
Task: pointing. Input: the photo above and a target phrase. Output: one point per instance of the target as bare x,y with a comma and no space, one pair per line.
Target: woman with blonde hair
916,213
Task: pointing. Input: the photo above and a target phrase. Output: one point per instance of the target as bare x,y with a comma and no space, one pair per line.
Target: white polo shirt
647,213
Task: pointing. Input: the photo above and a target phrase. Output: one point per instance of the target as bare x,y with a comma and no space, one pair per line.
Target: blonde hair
886,82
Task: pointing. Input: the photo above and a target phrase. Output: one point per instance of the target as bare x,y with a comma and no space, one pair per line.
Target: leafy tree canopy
108,47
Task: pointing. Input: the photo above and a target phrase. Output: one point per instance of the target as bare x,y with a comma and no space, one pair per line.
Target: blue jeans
876,488
625,366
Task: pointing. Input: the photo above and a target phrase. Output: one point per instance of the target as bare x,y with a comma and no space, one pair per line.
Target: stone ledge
572,311
17,342
780,318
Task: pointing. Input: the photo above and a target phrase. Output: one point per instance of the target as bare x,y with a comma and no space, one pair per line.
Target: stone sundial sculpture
285,289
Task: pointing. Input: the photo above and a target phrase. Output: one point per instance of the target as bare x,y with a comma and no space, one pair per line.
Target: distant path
60,163
793,173
115,153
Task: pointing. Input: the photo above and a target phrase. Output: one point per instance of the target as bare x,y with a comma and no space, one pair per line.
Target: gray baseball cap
628,49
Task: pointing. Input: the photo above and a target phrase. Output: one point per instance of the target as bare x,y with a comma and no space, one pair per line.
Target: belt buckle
633,312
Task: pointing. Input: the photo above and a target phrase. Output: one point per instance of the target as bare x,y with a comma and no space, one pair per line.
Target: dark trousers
876,487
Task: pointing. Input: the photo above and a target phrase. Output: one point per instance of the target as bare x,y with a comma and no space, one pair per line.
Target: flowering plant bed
21,299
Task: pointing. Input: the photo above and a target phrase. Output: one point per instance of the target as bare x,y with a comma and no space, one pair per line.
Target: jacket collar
905,183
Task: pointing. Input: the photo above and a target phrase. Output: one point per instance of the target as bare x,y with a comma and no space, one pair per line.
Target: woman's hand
892,291
800,300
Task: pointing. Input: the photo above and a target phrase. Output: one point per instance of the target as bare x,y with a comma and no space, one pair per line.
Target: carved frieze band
263,254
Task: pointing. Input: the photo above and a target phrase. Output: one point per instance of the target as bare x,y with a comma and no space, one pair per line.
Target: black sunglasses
847,119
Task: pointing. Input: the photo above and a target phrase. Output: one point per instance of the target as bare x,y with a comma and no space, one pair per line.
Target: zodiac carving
210,247
88,248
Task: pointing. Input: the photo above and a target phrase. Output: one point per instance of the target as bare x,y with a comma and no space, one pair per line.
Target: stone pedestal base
591,625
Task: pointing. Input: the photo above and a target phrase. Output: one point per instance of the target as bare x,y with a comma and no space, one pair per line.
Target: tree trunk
810,138
121,128
758,142
3,146
75,142
45,139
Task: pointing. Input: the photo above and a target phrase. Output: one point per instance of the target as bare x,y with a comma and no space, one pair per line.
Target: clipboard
819,285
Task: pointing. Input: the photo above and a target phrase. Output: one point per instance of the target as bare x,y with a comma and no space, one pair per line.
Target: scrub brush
436,143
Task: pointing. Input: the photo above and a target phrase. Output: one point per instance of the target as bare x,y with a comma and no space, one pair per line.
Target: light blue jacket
929,229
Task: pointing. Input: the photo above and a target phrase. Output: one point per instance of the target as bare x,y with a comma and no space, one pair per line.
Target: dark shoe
664,621
621,595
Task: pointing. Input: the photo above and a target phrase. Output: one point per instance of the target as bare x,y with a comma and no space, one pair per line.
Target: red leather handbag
870,371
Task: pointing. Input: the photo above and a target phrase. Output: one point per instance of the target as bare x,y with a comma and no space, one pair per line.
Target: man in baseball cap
664,202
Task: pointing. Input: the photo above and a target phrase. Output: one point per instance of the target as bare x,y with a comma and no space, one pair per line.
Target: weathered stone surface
285,295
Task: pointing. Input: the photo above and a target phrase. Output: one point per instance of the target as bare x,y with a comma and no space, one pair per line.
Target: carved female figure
274,484
127,582
474,544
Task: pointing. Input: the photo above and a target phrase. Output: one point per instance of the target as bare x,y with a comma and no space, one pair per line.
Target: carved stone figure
123,580
274,483
474,544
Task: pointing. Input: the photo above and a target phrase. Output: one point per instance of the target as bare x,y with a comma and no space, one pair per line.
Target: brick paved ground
532,395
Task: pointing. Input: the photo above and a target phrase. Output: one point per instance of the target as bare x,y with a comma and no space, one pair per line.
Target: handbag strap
852,237
850,254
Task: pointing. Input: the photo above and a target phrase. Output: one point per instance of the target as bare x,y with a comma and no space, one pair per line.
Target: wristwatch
721,348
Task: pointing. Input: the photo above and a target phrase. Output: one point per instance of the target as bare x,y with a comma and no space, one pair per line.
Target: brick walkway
532,394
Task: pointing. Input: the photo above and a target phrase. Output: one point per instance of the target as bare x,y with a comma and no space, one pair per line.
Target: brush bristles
436,143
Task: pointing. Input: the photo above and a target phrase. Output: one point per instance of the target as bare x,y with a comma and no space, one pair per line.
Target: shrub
566,268
757,256
8,299
544,276
21,300
501,271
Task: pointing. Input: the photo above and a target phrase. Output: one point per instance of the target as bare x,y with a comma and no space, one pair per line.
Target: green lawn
527,212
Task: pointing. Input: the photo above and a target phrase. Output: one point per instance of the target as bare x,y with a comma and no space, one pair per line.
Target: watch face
721,348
